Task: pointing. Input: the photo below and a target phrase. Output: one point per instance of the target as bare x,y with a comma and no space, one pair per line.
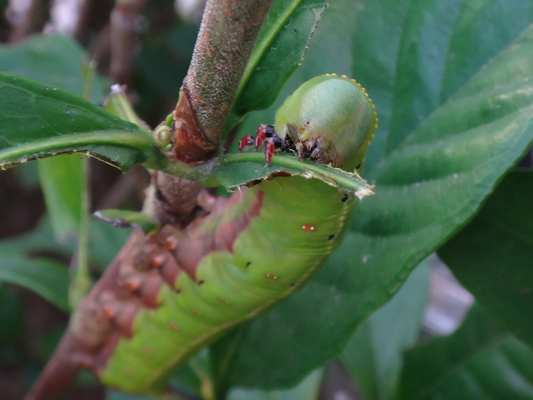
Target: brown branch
227,35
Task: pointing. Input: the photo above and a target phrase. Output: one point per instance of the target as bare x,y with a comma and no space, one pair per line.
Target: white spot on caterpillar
365,259
455,176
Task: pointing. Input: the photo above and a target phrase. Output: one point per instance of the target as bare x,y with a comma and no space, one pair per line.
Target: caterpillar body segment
270,256
252,250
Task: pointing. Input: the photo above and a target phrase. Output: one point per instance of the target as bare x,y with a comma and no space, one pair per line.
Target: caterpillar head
332,117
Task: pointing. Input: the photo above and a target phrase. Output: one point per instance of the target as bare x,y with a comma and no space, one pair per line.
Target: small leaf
118,104
62,181
44,277
278,51
39,120
127,219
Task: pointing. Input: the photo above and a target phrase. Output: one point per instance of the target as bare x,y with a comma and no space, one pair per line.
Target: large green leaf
451,84
373,357
278,52
38,120
308,389
43,277
492,256
479,361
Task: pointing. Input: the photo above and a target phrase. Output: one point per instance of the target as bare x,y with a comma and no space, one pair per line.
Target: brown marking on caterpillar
157,260
148,350
169,269
121,313
196,244
270,276
150,287
308,227
171,242
196,312
109,311
174,325
133,283
222,300
98,362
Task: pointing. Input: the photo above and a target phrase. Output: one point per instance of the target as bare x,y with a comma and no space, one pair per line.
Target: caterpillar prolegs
251,251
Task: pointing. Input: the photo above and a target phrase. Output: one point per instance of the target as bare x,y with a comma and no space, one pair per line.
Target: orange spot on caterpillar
270,276
148,350
157,260
109,312
171,242
133,284
307,227
174,326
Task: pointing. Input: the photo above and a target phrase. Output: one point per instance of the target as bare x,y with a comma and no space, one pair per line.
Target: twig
226,39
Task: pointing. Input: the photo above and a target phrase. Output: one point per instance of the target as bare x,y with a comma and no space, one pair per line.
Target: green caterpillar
251,251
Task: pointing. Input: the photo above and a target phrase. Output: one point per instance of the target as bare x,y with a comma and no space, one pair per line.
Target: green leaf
479,361
237,169
63,181
38,120
40,240
114,395
373,357
44,277
278,52
234,170
308,389
127,219
12,335
55,60
492,256
104,242
439,151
